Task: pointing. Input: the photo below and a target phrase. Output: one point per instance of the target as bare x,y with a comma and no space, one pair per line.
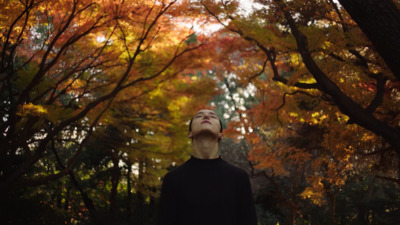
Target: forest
96,98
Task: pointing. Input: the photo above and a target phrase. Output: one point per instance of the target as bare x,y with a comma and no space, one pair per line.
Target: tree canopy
96,97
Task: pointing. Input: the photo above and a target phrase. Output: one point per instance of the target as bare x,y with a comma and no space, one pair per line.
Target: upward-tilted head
205,122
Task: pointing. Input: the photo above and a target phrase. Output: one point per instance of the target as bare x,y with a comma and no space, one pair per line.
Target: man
206,190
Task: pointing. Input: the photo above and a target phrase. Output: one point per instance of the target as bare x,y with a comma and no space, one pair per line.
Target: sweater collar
205,161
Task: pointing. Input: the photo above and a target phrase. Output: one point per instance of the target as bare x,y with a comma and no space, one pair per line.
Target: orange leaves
267,161
75,60
73,86
346,133
331,165
275,155
329,176
11,27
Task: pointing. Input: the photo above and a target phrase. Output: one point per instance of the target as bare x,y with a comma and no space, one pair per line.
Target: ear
190,135
220,136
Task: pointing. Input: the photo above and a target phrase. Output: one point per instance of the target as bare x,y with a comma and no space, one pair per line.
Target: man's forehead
206,111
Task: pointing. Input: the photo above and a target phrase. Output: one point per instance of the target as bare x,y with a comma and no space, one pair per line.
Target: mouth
206,122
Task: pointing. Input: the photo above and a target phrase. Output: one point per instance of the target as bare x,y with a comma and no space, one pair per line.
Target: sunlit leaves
259,48
74,60
31,110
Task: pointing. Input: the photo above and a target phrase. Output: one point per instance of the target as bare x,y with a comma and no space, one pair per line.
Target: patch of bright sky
239,98
248,6
100,39
245,8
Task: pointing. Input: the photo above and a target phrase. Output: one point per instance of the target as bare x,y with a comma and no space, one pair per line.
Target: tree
64,63
327,75
314,49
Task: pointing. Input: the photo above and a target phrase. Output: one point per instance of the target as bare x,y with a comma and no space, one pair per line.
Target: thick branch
261,71
12,178
380,89
284,102
269,52
346,105
86,199
397,181
43,68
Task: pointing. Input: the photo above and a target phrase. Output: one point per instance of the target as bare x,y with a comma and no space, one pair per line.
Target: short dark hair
220,124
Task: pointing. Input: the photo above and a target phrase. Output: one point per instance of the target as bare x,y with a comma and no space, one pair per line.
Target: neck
205,147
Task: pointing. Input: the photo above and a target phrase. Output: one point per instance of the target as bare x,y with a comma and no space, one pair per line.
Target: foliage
96,97
324,103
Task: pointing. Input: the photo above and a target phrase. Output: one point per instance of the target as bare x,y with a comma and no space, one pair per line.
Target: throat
205,148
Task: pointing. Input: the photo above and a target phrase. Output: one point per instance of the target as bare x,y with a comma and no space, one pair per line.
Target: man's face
205,121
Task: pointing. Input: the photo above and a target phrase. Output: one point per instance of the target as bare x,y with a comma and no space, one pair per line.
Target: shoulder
235,171
177,172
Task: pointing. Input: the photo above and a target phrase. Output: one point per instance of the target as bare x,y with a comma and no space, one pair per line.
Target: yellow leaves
9,11
31,110
293,114
78,83
317,118
295,59
178,104
316,197
327,45
315,114
368,137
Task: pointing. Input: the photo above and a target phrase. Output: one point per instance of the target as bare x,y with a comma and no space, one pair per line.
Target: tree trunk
59,197
293,215
153,213
332,205
116,175
129,192
67,196
380,21
362,215
140,198
86,199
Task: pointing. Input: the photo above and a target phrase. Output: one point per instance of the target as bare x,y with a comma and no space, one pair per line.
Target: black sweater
206,192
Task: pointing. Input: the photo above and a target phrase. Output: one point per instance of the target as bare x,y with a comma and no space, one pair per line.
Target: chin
207,132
